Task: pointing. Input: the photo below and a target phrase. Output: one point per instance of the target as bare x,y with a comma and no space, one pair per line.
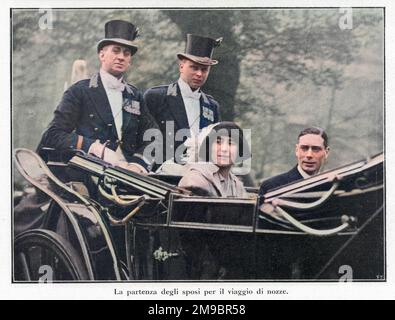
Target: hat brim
200,60
104,42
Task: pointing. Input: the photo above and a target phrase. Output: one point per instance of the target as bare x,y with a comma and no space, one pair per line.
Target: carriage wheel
44,256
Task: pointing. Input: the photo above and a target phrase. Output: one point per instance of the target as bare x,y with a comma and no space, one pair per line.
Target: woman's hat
209,135
119,32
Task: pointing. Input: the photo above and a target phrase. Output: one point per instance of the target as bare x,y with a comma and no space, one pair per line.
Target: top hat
200,49
120,32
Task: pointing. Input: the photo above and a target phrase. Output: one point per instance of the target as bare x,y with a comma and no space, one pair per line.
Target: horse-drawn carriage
101,222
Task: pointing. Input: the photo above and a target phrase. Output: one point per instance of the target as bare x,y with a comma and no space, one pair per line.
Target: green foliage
279,70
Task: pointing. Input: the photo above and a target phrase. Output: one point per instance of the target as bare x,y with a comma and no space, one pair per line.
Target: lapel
207,116
294,175
102,105
128,99
176,106
216,182
100,100
218,186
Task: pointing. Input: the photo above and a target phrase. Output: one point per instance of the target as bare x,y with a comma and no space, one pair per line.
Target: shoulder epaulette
159,87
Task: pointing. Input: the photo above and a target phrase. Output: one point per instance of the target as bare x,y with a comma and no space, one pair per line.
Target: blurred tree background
280,70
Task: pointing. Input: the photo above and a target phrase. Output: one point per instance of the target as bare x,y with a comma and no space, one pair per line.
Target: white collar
111,82
304,174
186,90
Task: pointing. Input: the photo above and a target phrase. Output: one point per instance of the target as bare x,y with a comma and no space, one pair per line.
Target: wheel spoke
38,248
25,266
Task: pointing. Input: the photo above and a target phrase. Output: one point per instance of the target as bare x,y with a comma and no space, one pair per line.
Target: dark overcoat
280,180
166,104
84,115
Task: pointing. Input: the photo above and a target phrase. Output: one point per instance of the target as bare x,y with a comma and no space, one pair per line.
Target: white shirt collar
186,90
111,82
304,174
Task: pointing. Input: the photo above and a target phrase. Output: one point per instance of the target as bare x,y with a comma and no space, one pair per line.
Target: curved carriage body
105,223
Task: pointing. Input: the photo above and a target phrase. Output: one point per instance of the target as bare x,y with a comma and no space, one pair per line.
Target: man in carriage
311,151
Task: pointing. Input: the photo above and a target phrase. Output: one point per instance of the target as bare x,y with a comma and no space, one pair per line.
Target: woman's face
224,151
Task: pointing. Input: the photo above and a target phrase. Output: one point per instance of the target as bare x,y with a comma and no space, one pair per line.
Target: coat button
91,115
162,122
96,129
109,125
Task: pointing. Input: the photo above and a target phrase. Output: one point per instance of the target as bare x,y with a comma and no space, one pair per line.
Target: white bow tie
116,85
193,95
111,82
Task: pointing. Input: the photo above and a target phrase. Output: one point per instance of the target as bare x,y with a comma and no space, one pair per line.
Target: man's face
115,59
193,73
311,153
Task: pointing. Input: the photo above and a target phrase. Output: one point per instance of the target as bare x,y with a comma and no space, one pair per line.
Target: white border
106,291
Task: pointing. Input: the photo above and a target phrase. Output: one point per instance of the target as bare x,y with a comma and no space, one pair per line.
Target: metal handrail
120,199
126,219
346,220
307,206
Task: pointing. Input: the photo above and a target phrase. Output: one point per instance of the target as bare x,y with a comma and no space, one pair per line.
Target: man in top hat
182,104
105,116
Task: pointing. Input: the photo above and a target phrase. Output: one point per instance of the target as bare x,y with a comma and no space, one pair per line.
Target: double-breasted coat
84,115
166,104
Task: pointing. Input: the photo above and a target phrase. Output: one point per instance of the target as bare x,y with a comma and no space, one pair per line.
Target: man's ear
101,54
327,152
296,149
180,65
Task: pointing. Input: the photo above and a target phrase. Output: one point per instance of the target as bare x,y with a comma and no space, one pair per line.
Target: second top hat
200,49
119,32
